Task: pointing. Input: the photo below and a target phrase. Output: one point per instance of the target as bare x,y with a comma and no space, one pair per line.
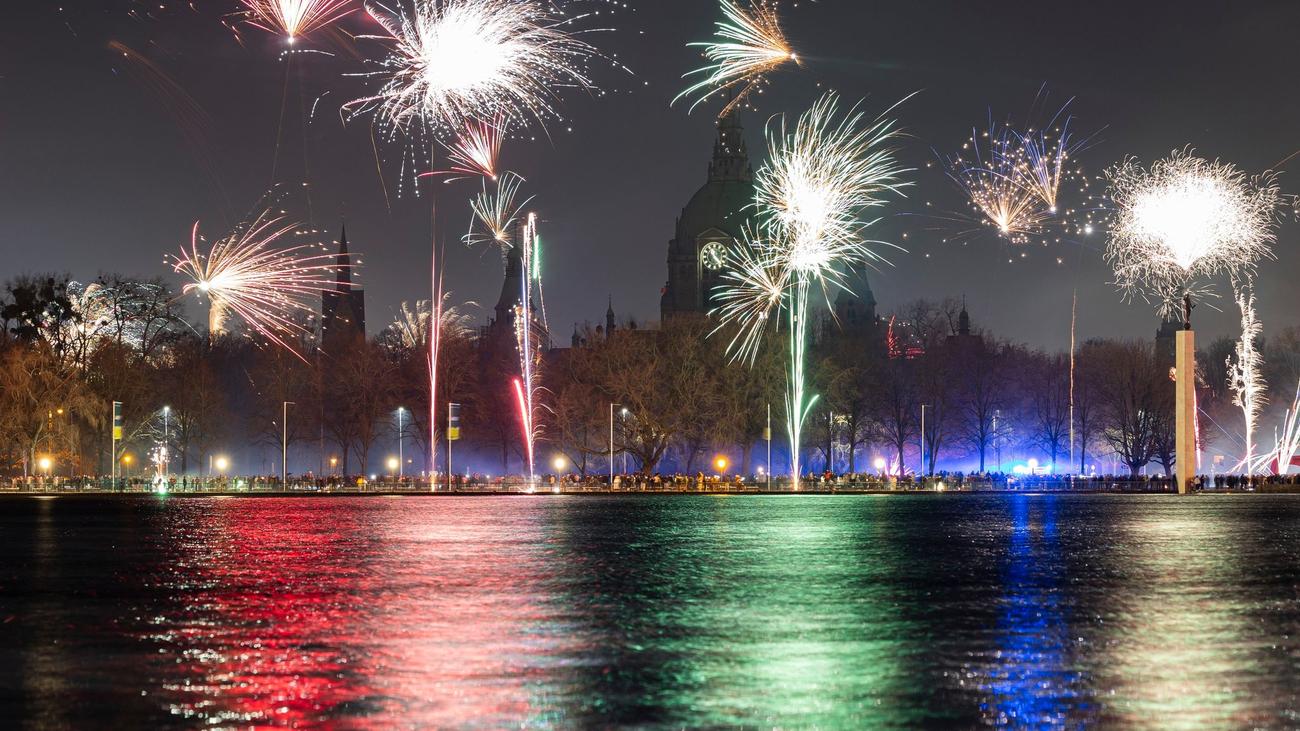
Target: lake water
899,611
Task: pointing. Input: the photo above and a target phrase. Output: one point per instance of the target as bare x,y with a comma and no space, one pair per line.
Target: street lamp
284,443
880,465
222,464
401,463
559,463
167,450
127,459
45,463
334,463
611,444
721,464
923,469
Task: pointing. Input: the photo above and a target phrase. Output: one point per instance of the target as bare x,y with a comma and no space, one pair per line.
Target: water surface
900,611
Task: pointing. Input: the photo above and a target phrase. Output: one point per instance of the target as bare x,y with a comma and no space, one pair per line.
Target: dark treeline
677,402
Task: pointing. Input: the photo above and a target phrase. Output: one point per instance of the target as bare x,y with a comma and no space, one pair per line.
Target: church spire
730,156
343,264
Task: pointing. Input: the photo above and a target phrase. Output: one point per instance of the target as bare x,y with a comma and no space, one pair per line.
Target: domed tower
710,224
855,305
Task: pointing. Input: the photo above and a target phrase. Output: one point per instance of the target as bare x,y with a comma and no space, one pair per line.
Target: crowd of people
675,482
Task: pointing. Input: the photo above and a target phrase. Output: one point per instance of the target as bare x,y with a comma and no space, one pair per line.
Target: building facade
710,224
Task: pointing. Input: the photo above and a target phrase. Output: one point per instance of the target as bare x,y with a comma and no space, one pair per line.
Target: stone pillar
1185,409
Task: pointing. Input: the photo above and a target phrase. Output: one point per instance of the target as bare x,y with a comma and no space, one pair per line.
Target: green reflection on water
721,611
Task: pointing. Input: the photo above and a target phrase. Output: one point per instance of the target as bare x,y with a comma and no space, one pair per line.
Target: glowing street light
721,464
222,464
401,461
393,465
560,463
46,464
880,465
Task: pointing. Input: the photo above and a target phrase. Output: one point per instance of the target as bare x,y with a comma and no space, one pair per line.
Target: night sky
99,172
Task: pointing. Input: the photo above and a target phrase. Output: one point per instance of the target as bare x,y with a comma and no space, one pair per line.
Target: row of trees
671,396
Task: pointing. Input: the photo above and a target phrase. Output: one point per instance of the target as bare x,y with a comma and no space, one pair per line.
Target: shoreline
76,494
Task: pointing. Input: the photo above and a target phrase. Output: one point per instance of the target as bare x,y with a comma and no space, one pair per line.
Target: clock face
713,255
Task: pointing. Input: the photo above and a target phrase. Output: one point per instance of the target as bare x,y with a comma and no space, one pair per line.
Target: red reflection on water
307,611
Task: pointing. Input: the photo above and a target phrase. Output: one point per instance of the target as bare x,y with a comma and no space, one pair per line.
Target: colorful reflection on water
668,611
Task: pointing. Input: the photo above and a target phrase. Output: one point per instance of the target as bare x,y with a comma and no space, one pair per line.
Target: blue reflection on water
1032,685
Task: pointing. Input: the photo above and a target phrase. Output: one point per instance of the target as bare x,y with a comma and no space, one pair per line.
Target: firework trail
250,275
528,342
498,220
1244,377
810,196
295,18
748,45
1184,220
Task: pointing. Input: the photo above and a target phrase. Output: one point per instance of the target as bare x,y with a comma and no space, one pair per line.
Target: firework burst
453,62
295,18
412,327
249,274
496,213
1046,163
810,196
1186,219
749,45
997,182
477,150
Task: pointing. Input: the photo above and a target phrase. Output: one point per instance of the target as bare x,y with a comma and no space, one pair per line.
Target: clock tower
710,224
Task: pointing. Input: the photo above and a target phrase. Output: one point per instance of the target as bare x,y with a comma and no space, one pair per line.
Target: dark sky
98,173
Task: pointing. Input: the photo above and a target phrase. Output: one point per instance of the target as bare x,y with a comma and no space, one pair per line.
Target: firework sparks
1186,219
810,196
528,342
1244,377
412,327
1286,450
749,45
248,274
496,213
999,185
477,149
1046,164
295,18
456,61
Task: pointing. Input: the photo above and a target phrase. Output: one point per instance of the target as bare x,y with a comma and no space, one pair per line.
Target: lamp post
767,437
624,414
923,467
611,444
401,464
167,444
284,443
